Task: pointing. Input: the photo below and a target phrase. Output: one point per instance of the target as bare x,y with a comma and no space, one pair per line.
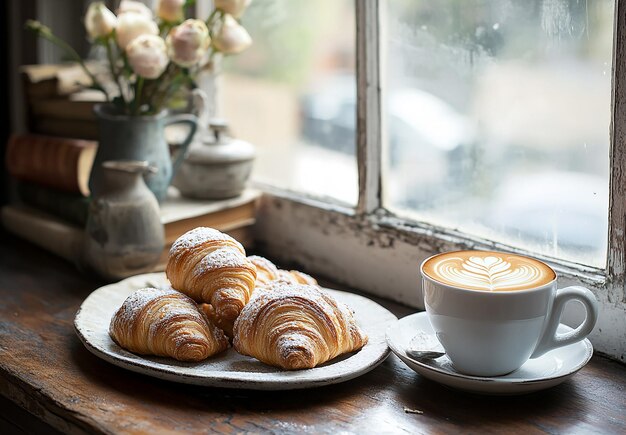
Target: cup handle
192,121
550,339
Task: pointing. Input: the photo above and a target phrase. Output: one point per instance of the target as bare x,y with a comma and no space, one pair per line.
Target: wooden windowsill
46,370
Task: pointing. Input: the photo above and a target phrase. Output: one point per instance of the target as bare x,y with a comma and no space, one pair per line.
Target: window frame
371,172
369,140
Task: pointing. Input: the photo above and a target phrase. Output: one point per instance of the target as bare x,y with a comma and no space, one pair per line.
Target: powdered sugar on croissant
295,326
164,322
211,267
266,271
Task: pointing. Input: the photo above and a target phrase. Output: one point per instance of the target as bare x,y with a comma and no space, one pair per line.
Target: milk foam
488,271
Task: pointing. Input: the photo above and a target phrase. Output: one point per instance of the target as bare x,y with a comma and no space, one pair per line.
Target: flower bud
131,25
99,21
171,10
231,38
188,43
134,6
147,56
232,7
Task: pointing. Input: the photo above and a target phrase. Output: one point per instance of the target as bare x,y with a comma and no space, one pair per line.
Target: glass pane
497,115
293,94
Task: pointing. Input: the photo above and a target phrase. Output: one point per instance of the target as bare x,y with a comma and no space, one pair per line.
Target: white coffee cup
487,332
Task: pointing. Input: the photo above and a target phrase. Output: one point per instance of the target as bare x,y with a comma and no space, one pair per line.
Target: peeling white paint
356,251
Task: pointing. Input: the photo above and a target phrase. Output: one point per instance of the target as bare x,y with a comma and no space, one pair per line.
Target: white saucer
546,371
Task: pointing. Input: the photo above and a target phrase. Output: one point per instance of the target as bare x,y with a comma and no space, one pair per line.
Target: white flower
134,6
99,21
171,10
231,38
131,25
188,43
232,7
147,56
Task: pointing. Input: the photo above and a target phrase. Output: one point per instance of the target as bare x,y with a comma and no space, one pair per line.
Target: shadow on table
351,405
157,392
546,409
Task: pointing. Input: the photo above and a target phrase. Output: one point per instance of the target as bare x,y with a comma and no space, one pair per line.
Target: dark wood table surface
59,385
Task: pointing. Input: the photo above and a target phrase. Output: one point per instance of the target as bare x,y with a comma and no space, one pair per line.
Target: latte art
488,271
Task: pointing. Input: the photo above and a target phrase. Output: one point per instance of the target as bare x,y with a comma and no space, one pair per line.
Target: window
408,53
493,121
294,95
494,115
497,116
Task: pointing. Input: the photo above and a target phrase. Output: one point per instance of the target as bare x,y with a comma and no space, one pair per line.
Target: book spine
65,128
69,206
44,231
43,89
49,161
63,109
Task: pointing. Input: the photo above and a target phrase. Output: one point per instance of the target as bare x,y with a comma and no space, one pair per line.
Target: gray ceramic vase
124,234
123,137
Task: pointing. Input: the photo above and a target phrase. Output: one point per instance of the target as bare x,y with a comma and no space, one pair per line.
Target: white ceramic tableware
229,369
492,333
546,371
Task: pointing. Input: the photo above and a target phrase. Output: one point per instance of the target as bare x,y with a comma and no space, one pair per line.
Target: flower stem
160,92
138,95
213,19
114,71
46,33
210,18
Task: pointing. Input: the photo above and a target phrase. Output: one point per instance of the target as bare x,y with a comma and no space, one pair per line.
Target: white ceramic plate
546,371
229,369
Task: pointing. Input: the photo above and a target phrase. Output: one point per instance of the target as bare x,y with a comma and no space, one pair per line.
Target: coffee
492,329
488,271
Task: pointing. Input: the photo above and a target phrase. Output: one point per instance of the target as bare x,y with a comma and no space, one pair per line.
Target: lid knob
219,127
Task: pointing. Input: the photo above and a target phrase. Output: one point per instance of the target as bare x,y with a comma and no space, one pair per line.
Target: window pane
293,94
497,115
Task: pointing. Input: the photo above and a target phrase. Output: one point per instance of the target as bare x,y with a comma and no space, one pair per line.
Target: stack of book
52,199
57,101
52,173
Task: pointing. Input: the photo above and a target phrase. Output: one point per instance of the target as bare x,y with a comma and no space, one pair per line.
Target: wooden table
45,370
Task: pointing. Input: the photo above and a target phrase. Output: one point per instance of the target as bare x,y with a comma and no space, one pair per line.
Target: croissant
295,277
164,322
303,278
211,267
295,326
266,271
286,277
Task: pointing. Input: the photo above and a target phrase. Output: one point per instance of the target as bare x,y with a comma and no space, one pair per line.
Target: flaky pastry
295,326
266,271
211,267
164,322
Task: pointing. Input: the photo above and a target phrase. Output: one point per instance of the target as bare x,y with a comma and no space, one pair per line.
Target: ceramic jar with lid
216,165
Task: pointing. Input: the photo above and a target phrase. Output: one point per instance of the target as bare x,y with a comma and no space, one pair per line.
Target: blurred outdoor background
293,93
496,112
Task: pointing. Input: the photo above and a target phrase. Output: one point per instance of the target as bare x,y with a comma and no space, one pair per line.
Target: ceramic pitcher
141,138
124,234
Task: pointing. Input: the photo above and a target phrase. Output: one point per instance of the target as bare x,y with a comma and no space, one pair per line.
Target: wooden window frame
369,154
370,248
